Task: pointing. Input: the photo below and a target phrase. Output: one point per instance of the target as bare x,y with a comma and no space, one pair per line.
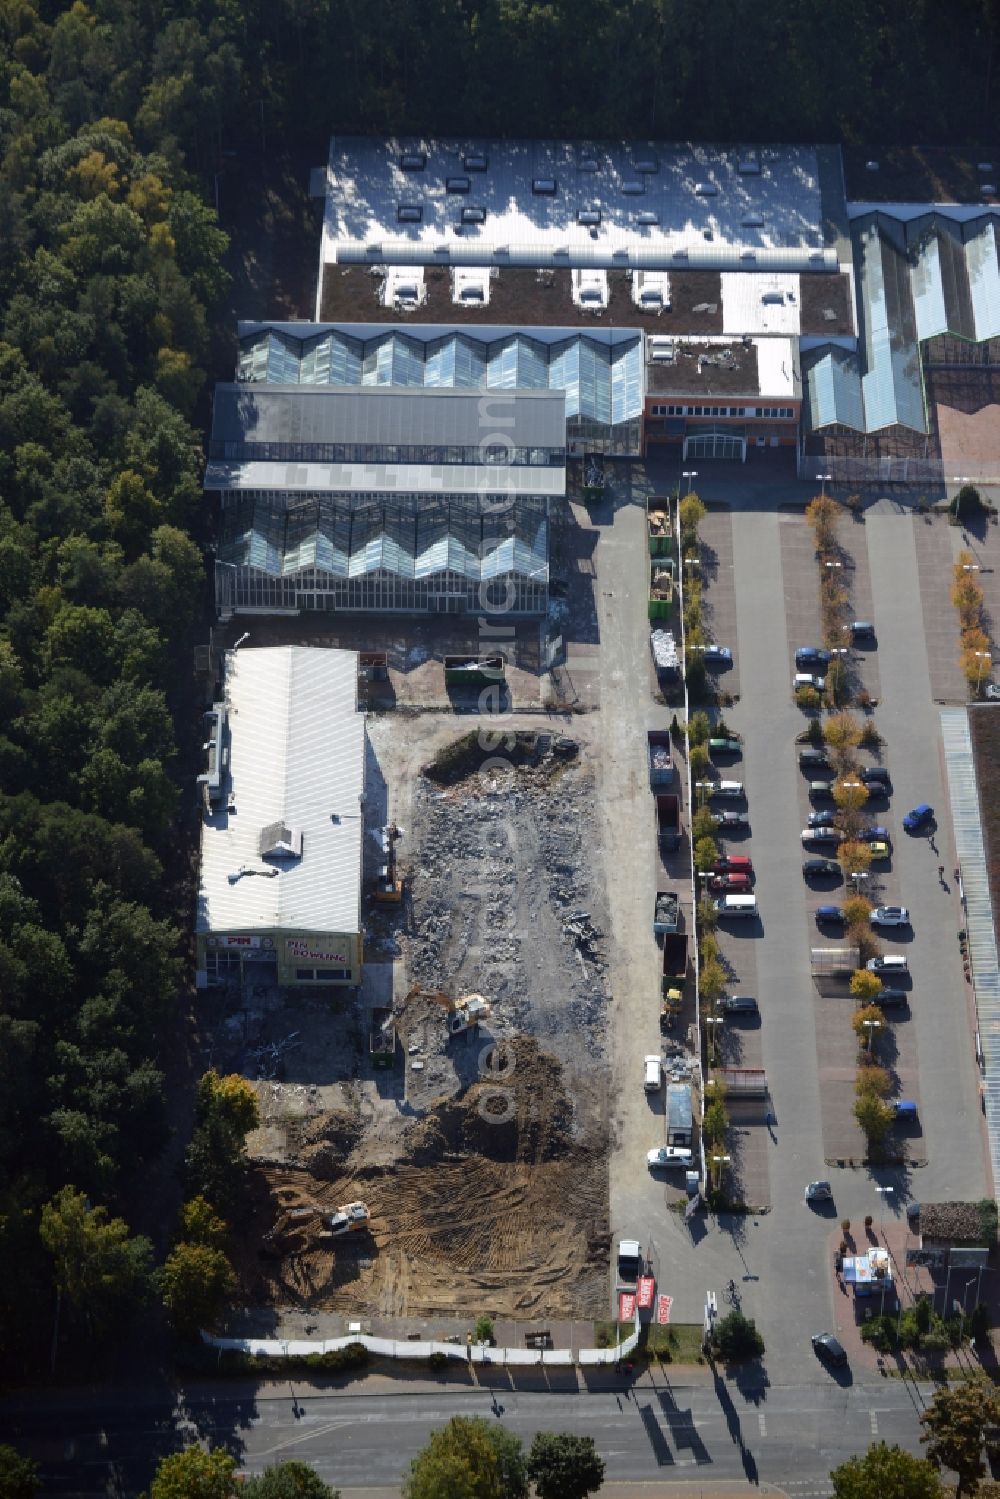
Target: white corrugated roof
388,478
296,756
760,302
778,367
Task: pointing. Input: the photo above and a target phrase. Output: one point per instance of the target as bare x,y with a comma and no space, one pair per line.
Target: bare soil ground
483,1156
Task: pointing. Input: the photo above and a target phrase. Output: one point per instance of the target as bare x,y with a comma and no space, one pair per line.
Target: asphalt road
707,1434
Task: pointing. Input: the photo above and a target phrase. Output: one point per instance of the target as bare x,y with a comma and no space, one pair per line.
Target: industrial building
279,896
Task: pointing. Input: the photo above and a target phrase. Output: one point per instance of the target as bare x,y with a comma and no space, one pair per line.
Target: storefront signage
626,1306
304,951
646,1290
238,941
663,1305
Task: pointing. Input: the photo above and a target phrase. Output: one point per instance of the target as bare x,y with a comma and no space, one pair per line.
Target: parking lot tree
691,512
712,981
708,916
698,728
885,1472
715,1123
195,1474
468,1459
195,1282
706,853
704,824
837,688
102,1273
850,794
291,1480
872,1082
866,1022
842,733
874,1117
854,858
699,761
562,1466
696,677
955,1426
822,513
18,1475
808,699
864,985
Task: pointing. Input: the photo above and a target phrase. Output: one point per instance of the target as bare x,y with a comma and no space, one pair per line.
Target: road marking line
763,1423
874,1419
301,1436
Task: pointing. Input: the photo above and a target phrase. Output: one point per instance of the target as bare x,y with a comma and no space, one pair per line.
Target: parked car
808,679
732,820
821,819
863,629
894,962
733,864
873,833
652,1077
738,1004
724,746
879,850
919,817
814,759
719,655
890,999
877,786
822,835
668,1155
808,657
873,773
890,916
732,789
821,790
991,692
737,884
629,1259
819,1192
830,916
903,1108
820,868
826,1347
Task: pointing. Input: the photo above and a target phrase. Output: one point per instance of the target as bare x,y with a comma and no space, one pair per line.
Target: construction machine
388,882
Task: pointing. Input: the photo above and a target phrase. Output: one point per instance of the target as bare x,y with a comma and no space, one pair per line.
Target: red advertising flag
663,1305
646,1288
626,1306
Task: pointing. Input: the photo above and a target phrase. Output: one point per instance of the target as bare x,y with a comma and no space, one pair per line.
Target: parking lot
761,584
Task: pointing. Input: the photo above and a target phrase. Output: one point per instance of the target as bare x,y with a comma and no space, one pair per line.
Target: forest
115,314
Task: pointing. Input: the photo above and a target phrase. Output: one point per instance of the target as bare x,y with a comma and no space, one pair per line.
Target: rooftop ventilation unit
661,350
588,216
647,216
773,299
442,250
680,254
633,187
871,166
748,254
412,161
706,189
543,187
646,164
476,161
753,221
988,189
619,255
457,184
748,165
562,251
279,841
815,255
217,758
473,215
589,164
501,250
409,213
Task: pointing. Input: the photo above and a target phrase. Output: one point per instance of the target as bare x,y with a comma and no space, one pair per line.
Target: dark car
808,656
820,868
920,815
890,999
826,1347
873,833
820,819
830,915
874,773
821,790
731,819
877,786
814,759
739,1004
862,629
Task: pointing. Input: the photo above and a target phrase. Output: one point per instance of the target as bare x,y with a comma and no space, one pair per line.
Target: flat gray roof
316,415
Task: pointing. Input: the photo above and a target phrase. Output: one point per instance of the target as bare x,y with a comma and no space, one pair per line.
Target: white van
890,962
737,905
652,1074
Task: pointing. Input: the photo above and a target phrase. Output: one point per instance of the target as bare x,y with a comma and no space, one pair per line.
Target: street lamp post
711,1021
883,1193
717,1161
686,474
824,480
871,1026
981,656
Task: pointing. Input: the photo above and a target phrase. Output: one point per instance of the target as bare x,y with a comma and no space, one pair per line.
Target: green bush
736,1337
808,699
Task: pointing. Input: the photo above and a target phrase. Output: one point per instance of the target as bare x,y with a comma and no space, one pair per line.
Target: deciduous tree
195,1474
886,1472
100,1269
956,1422
564,1467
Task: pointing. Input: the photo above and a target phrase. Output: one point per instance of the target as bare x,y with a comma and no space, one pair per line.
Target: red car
733,883
733,864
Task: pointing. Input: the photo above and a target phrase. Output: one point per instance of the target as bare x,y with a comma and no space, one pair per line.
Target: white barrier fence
476,1353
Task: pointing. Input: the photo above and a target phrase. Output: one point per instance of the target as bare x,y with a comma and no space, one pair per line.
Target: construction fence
475,1353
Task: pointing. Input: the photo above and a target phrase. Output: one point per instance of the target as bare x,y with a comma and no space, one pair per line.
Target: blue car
874,833
916,819
830,916
821,819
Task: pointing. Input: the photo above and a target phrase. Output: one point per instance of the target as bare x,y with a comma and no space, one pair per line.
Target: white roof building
282,855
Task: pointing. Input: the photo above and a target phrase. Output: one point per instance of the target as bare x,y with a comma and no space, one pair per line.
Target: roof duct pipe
642,257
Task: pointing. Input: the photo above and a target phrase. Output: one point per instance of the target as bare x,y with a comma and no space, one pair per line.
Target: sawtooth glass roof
601,382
